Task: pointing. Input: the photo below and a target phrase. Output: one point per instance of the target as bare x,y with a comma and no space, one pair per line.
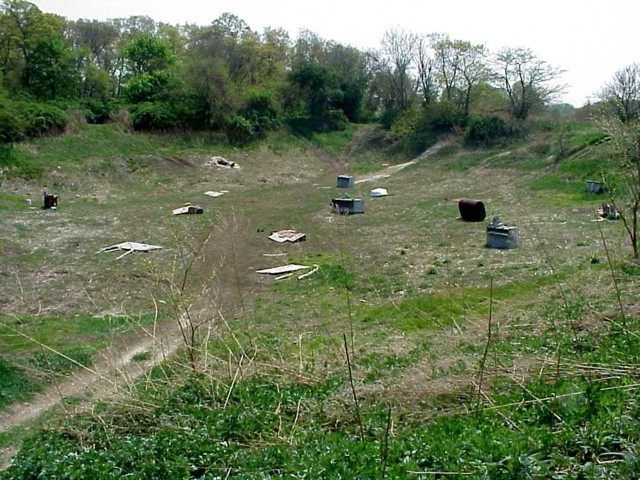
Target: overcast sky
590,39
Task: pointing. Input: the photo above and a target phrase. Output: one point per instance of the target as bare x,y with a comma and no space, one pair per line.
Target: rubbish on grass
379,192
501,236
595,187
310,272
347,206
287,236
292,267
286,275
472,210
188,209
50,201
609,212
214,194
345,181
222,162
129,247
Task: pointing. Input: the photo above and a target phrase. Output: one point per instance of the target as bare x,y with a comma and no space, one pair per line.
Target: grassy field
413,352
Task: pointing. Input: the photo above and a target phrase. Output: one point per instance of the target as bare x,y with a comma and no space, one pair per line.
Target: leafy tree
399,51
315,83
625,137
52,70
426,65
95,45
147,54
526,79
23,27
622,93
461,67
353,73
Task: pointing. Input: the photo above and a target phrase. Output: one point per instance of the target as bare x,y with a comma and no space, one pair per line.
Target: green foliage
15,384
441,118
239,130
488,131
423,129
44,119
148,87
261,111
96,111
154,117
148,54
12,125
260,429
52,71
26,375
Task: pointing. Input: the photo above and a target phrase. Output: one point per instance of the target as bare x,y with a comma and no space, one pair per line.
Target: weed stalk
483,361
353,390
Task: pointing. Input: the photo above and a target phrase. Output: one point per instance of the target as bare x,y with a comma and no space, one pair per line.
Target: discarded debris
292,267
347,206
609,212
595,187
50,201
345,181
288,236
211,193
188,209
222,162
379,192
310,272
472,210
501,236
129,247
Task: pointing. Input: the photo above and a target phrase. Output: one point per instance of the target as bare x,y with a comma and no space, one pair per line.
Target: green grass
334,142
407,284
28,366
15,384
24,376
23,334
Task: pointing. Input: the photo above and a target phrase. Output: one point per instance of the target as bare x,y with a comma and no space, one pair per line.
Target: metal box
345,181
347,206
501,236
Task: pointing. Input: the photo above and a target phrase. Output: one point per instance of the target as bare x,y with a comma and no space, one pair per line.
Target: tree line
225,76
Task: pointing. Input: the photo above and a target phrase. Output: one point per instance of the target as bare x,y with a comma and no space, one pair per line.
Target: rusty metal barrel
472,210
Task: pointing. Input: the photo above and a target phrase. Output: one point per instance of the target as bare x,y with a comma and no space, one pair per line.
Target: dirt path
114,370
393,169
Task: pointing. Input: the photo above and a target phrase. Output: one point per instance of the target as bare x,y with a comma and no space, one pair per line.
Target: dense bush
96,111
192,111
239,130
260,110
44,119
150,86
488,131
153,116
12,125
335,120
441,118
424,128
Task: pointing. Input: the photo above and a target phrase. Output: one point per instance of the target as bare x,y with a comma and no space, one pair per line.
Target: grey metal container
347,206
345,181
